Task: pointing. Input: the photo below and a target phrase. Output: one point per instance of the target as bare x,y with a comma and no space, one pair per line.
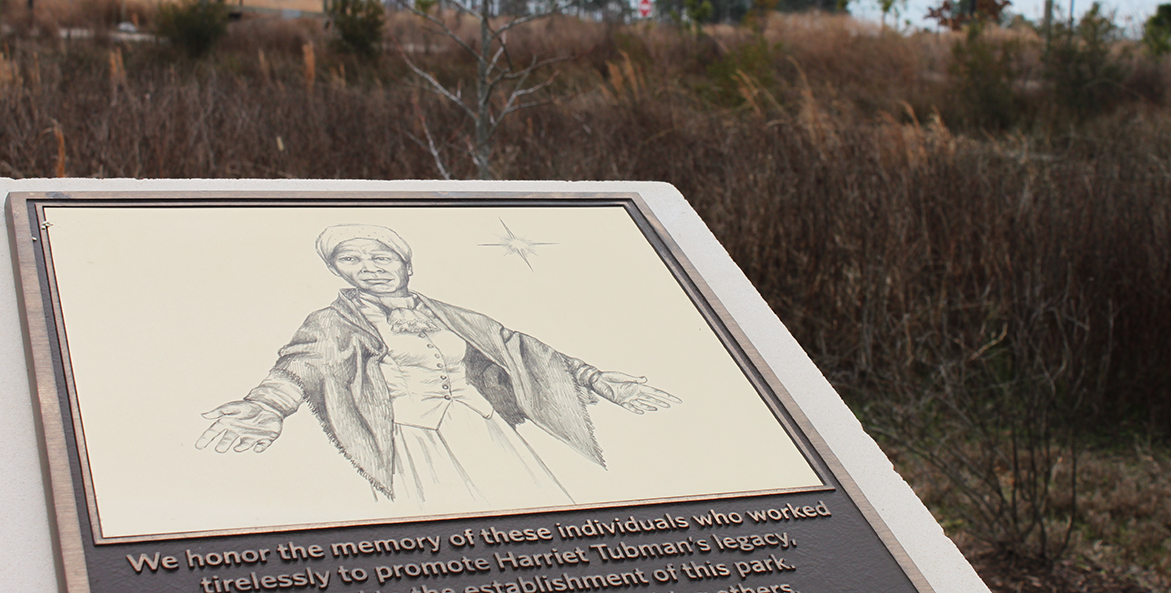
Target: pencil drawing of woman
420,396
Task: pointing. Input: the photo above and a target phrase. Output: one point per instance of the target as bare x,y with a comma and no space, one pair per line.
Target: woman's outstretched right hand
248,424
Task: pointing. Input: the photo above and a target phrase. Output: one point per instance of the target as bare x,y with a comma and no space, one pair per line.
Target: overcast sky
1129,13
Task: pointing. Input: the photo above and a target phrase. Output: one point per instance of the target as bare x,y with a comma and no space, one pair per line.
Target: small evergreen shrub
1157,31
358,24
984,71
1086,73
194,25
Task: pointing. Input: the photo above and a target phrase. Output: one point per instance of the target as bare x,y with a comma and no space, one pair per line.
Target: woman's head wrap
335,235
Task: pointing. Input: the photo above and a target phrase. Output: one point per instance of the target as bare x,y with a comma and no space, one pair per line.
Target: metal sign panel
424,392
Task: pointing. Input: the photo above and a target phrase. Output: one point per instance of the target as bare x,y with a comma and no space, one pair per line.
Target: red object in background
644,8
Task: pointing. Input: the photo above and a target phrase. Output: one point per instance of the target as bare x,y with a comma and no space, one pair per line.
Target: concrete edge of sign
24,514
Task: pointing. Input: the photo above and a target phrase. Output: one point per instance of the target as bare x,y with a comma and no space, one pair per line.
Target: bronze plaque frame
76,511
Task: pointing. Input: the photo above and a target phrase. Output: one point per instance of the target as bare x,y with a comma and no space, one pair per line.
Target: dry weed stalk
625,79
35,73
818,127
903,146
940,139
752,92
60,136
265,69
117,73
117,67
337,76
10,78
310,59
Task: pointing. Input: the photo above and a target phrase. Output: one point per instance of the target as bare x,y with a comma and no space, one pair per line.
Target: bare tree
502,85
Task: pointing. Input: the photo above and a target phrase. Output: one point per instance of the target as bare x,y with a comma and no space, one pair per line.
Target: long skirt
470,463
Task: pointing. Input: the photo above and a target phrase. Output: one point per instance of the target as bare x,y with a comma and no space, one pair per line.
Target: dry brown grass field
971,235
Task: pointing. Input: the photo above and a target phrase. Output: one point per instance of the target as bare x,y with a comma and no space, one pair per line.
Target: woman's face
371,267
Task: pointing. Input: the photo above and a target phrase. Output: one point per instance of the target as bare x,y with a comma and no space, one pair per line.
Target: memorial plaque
416,392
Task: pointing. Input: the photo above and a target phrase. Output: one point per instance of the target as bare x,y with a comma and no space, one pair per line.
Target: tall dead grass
891,222
50,16
903,189
1018,278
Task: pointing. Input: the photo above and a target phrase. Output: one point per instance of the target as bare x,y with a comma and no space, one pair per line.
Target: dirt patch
1004,575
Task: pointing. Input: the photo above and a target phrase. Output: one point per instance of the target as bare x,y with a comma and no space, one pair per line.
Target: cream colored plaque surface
170,312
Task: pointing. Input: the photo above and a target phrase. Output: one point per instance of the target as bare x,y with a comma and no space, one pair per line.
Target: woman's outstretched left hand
632,393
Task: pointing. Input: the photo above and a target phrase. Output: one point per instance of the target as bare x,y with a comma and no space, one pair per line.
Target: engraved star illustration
516,245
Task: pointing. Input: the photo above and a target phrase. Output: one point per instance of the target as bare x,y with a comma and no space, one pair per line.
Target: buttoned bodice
425,372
